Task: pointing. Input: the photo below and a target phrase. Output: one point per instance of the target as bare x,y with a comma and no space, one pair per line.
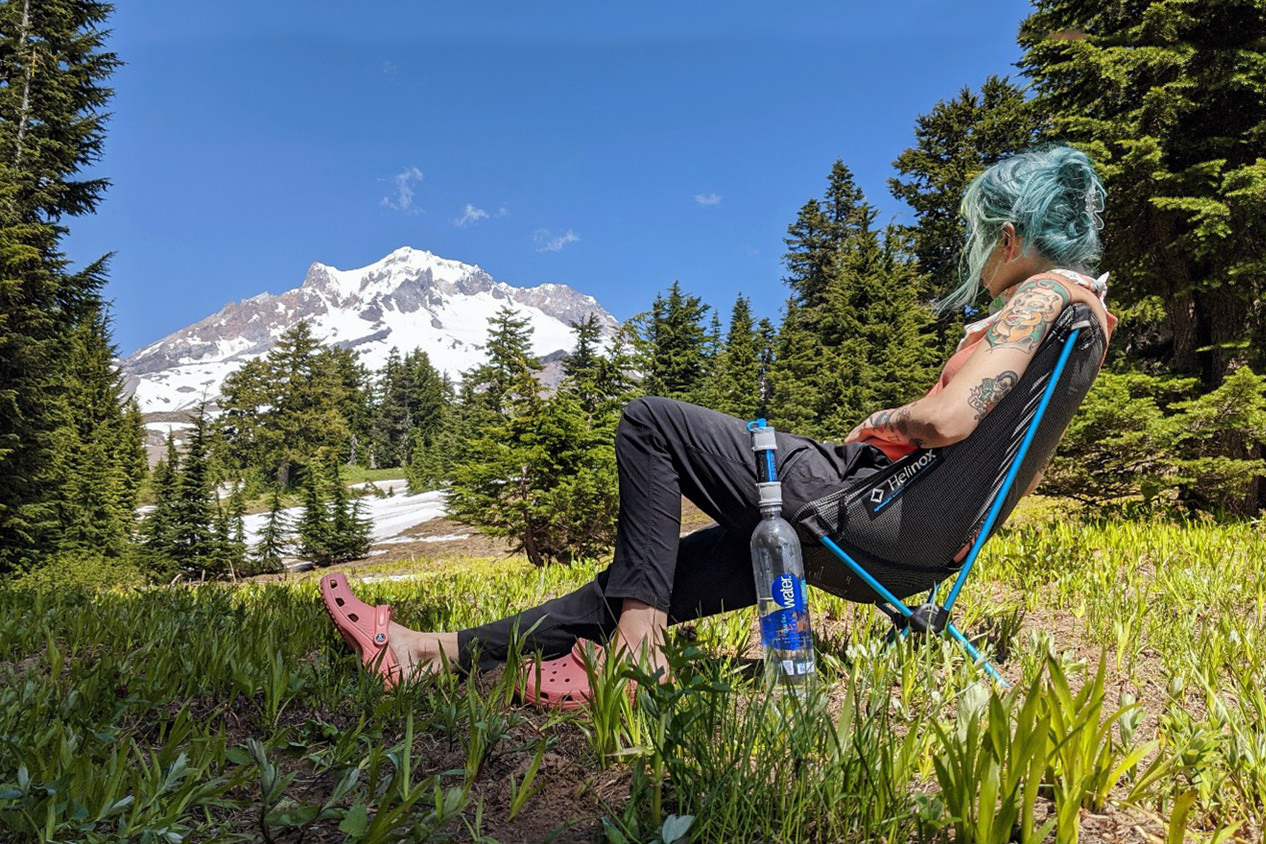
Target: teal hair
1053,198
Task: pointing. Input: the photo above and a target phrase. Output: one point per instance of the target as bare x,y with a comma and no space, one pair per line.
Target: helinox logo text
888,488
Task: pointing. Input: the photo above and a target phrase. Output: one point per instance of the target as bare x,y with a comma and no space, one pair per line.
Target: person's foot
639,636
421,653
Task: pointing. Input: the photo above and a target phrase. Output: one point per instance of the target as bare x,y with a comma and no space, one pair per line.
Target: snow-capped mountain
409,299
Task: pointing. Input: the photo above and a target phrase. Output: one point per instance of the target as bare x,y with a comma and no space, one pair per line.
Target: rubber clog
363,627
563,683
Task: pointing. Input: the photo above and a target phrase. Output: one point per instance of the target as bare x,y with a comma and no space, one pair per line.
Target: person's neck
1024,267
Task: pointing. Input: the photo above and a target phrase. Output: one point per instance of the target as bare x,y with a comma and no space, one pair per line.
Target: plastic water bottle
781,598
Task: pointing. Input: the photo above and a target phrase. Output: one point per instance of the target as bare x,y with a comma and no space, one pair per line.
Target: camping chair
926,516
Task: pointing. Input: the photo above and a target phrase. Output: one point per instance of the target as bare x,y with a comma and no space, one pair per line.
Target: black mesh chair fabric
907,524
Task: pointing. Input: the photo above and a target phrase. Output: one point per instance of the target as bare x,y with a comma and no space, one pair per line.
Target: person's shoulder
1079,287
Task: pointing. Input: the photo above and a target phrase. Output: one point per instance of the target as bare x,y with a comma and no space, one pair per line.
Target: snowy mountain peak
409,299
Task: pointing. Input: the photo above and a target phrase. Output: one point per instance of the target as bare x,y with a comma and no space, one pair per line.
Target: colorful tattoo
991,391
1024,321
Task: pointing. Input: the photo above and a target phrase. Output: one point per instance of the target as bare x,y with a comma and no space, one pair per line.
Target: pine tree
436,442
542,473
509,373
192,541
282,409
426,399
674,346
954,142
332,529
390,415
274,540
491,391
855,334
158,526
1169,98
99,462
313,527
349,529
52,98
229,550
738,377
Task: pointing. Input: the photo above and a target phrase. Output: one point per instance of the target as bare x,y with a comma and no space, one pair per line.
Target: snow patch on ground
390,517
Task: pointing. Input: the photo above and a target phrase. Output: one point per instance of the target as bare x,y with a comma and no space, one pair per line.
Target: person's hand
856,434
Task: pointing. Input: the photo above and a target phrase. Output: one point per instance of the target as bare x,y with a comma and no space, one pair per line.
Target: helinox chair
925,517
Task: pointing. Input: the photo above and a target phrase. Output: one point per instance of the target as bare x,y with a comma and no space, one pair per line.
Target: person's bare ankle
422,653
639,636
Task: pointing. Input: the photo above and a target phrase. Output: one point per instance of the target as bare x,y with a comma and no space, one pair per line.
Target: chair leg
902,615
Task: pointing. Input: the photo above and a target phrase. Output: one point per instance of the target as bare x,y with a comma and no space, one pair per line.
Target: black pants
666,449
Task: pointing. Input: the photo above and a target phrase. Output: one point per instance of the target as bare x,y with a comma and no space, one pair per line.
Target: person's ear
1010,242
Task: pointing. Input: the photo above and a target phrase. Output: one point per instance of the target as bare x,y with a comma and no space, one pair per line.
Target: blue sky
614,147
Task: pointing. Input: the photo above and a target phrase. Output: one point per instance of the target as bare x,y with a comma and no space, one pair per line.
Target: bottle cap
763,439
770,494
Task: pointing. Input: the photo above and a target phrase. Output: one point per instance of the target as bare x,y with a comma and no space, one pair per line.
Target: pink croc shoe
563,683
363,627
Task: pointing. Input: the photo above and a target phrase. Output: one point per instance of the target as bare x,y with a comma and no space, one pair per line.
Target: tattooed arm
989,374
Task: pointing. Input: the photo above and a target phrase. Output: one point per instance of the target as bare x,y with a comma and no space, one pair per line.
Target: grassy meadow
235,713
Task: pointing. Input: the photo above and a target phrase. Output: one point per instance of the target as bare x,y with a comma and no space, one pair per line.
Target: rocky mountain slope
409,299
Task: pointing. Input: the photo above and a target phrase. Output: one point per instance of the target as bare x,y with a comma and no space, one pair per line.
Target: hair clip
1094,207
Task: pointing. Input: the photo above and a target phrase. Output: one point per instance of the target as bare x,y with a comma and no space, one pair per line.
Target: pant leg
713,575
666,449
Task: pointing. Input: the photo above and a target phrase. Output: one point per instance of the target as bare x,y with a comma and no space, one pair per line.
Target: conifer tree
954,142
542,473
738,376
349,529
509,372
583,368
675,346
274,540
436,442
426,399
390,415
158,526
191,540
229,553
52,100
99,461
855,334
1169,98
332,528
282,409
313,526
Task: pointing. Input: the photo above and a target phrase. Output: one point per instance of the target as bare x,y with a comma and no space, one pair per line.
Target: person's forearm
918,423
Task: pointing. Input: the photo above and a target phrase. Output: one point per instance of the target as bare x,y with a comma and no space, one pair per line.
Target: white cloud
470,215
388,67
503,211
405,181
547,242
707,199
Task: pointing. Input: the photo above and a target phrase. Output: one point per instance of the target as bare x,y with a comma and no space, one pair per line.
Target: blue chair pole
880,590
1001,496
976,656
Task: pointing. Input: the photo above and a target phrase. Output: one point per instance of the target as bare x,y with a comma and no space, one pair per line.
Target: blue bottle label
787,627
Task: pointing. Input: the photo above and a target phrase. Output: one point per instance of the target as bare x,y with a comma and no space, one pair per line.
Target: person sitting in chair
1032,244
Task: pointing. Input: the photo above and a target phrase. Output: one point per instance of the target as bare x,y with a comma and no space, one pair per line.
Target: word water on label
786,626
